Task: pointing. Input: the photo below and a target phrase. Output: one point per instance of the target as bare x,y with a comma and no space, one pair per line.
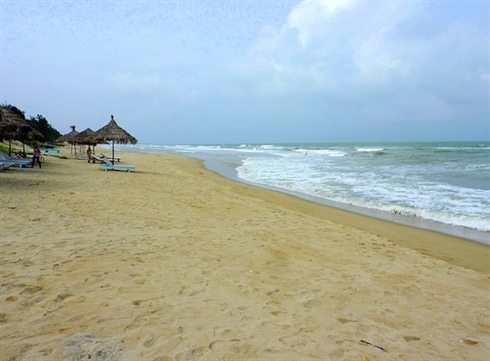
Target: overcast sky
257,71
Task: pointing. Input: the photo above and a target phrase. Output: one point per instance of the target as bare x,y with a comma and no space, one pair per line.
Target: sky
252,71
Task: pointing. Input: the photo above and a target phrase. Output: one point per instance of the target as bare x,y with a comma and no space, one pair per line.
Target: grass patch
5,149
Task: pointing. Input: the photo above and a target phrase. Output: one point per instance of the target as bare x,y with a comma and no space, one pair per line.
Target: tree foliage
13,109
39,123
42,125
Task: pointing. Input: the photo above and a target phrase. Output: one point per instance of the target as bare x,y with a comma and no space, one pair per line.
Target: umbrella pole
10,147
113,152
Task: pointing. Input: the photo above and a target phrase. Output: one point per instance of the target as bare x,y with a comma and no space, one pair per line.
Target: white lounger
8,160
102,157
107,165
115,158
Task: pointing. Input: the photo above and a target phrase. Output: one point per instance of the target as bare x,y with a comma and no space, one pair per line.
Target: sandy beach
174,262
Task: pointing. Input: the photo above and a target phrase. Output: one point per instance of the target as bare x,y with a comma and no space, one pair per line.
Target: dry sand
174,262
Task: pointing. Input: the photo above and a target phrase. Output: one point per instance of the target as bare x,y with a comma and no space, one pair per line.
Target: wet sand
174,262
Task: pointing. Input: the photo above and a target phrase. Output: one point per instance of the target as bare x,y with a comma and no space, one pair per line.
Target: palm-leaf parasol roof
68,137
31,134
14,126
24,133
84,137
12,122
113,132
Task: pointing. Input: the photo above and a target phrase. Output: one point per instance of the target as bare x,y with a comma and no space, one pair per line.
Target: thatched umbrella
12,121
14,126
68,137
31,135
85,137
113,132
22,135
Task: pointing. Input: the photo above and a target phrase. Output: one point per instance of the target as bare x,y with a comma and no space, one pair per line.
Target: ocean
439,186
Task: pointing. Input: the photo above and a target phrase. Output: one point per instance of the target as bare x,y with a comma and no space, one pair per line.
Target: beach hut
114,133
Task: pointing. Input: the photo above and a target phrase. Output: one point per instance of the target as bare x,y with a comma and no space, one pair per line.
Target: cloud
331,42
309,16
379,52
315,65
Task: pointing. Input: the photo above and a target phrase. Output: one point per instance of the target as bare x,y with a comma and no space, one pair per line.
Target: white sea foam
442,182
370,149
418,184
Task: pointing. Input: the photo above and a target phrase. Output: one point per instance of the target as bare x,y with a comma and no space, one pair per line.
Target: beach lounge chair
107,165
115,158
17,156
4,165
81,155
5,155
97,158
10,161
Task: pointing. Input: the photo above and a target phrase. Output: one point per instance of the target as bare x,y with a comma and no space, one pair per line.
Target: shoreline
227,167
229,171
468,252
173,261
455,249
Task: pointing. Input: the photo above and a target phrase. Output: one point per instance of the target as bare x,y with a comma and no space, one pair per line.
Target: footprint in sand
344,320
312,303
62,296
411,338
219,344
149,340
336,354
3,318
31,290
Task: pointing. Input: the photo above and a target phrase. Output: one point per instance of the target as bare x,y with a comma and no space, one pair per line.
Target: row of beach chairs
106,162
7,161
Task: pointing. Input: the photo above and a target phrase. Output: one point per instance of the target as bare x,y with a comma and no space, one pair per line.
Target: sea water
441,186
